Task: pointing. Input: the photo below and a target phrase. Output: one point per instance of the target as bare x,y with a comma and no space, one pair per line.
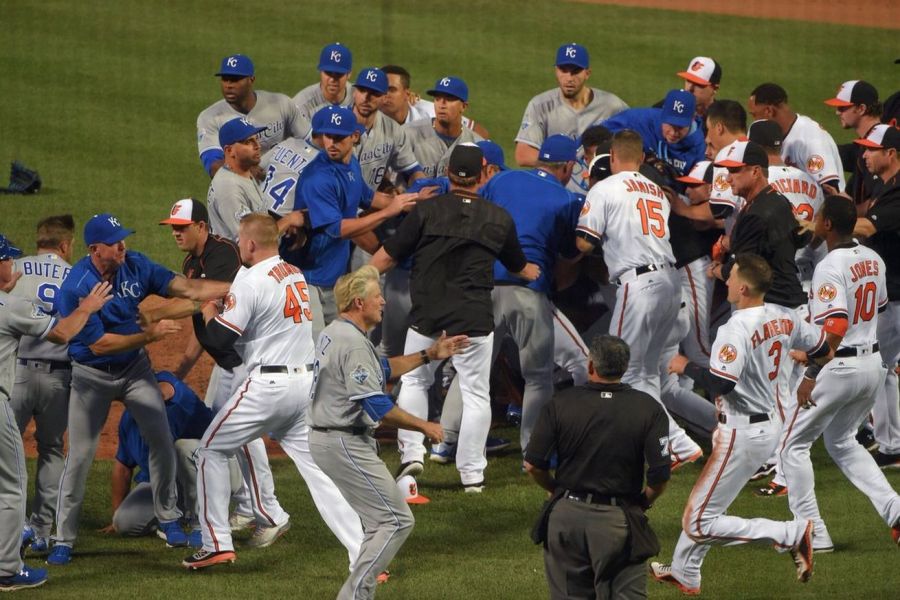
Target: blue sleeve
386,367
620,121
377,406
156,276
442,183
209,157
321,193
93,329
412,170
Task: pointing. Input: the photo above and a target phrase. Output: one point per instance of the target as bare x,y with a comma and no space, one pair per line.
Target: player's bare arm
114,343
584,246
176,308
863,228
9,284
119,486
530,273
542,477
526,154
367,241
353,227
382,261
403,420
443,347
189,358
68,327
199,290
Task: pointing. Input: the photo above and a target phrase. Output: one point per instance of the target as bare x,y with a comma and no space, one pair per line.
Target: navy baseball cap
451,86
493,153
237,130
574,55
334,120
766,133
678,108
373,79
7,250
558,148
336,58
236,65
466,160
104,229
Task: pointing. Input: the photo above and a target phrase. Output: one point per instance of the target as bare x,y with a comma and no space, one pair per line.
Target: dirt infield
883,14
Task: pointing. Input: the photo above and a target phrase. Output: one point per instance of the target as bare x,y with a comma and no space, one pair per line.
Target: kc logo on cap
678,107
445,82
571,51
232,61
114,222
371,75
336,119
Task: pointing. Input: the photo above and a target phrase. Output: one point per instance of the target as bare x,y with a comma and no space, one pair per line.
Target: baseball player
279,116
108,362
268,319
233,192
335,65
848,293
857,107
283,166
747,354
405,106
702,78
43,370
348,402
19,317
568,110
806,144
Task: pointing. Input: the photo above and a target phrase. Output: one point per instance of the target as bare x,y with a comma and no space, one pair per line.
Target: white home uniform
283,165
809,147
806,197
268,308
849,283
748,350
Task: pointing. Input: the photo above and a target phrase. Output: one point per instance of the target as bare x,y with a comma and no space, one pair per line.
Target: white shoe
239,522
264,537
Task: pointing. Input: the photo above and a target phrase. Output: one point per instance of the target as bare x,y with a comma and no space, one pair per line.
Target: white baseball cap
702,70
700,173
185,212
854,92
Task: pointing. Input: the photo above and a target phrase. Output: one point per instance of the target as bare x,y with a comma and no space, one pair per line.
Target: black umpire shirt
454,240
602,434
884,212
219,261
766,226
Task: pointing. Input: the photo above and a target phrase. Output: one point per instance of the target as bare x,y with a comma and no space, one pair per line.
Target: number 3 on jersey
652,220
296,302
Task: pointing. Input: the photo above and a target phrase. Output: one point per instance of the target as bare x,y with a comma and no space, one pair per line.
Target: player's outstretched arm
444,347
403,420
382,261
114,343
68,327
542,477
176,308
199,290
526,155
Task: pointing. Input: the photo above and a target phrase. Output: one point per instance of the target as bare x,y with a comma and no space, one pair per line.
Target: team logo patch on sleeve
37,312
827,292
720,184
815,163
727,353
586,208
360,374
229,302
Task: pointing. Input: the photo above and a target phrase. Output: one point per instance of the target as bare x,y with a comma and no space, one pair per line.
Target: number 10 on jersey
296,302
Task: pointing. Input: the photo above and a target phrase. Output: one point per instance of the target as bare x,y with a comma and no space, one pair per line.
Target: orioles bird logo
230,301
720,184
698,64
176,208
815,163
728,353
827,292
586,208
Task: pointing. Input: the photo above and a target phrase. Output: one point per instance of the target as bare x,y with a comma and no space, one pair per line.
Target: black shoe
866,439
887,461
413,467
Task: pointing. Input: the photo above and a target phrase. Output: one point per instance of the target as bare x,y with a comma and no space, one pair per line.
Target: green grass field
102,98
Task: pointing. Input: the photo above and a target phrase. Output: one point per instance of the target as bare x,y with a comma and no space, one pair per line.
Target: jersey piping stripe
712,488
227,414
212,532
696,306
230,326
575,338
622,314
590,232
830,313
256,496
790,427
723,375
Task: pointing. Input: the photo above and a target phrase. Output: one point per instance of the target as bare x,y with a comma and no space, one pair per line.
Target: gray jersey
432,151
310,99
42,276
230,197
283,165
347,371
281,117
384,146
18,317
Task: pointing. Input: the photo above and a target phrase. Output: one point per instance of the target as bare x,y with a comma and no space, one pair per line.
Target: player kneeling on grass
348,402
743,369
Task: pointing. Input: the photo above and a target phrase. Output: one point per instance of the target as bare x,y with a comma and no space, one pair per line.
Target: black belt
268,369
55,365
350,430
845,352
759,418
643,269
591,498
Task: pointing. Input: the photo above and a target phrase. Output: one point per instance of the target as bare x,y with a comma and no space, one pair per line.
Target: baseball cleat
413,467
514,415
383,577
663,574
172,532
887,461
474,488
763,472
678,462
866,439
28,577
40,545
895,533
496,444
60,555
443,453
773,489
802,553
264,537
238,522
204,558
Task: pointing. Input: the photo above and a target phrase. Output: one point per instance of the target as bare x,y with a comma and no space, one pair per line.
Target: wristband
424,355
812,371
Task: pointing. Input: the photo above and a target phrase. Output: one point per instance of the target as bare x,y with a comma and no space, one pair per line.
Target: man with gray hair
599,506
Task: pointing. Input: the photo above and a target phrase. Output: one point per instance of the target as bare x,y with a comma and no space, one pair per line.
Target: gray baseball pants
324,309
93,390
352,463
12,490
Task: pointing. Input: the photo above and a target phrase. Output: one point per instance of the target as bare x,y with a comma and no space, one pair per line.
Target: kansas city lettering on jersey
770,329
376,153
795,186
640,186
282,270
273,130
864,268
42,269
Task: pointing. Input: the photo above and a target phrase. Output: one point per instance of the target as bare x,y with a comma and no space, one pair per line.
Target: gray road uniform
229,198
41,391
18,318
347,372
310,99
432,151
283,165
385,146
549,114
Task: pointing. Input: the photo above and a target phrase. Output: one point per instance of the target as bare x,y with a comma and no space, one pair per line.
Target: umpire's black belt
54,365
758,418
592,498
856,351
350,430
269,369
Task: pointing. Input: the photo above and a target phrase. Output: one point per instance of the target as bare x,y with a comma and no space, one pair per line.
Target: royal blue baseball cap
558,148
7,250
451,86
237,130
373,79
236,65
334,120
493,154
574,55
336,58
104,229
678,108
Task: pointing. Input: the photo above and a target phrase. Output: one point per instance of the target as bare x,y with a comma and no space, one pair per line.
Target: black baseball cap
744,154
882,137
766,133
466,160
